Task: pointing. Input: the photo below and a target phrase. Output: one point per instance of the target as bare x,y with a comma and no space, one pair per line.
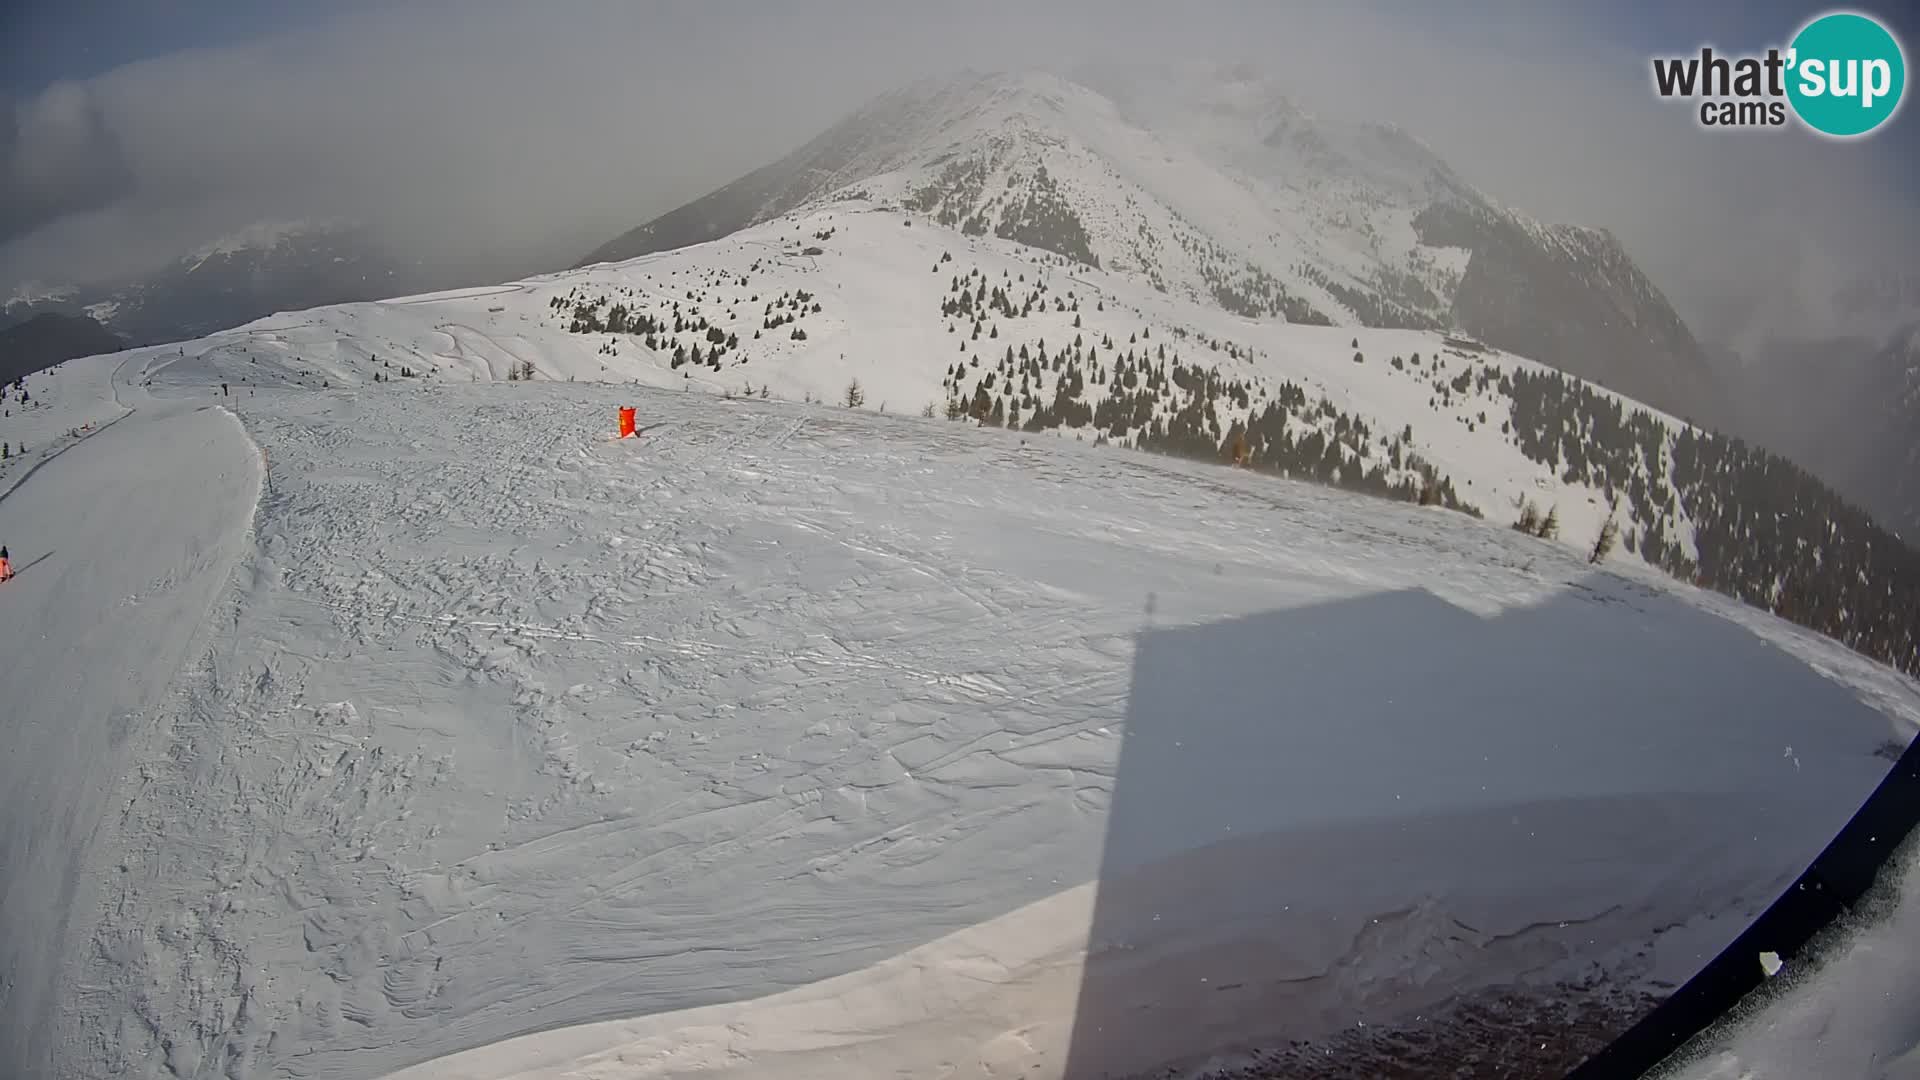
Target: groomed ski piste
420,728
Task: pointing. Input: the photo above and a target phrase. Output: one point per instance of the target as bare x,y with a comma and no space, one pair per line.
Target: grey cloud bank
505,139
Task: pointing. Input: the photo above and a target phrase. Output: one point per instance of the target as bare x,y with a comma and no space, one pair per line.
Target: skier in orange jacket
6,565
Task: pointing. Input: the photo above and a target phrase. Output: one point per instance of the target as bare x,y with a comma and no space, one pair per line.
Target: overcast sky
519,136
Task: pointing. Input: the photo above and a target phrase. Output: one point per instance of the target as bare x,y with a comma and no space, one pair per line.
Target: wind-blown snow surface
498,726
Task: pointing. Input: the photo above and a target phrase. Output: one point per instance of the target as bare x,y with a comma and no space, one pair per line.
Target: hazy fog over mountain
468,143
492,139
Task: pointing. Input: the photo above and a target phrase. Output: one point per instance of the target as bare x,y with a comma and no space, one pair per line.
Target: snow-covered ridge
262,235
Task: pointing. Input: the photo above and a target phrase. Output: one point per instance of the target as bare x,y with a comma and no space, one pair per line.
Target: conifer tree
1603,544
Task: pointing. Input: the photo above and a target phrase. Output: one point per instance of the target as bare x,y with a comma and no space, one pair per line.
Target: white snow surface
421,727
880,285
118,561
73,396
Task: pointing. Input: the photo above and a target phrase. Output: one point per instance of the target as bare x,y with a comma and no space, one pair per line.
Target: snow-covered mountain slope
47,412
922,316
929,319
486,724
1210,184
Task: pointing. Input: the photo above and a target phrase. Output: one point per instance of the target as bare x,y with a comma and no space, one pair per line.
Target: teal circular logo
1846,74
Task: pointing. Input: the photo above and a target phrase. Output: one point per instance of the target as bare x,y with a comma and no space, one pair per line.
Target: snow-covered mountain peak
1212,184
928,122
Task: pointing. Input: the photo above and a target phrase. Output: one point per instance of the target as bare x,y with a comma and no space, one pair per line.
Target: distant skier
6,566
223,389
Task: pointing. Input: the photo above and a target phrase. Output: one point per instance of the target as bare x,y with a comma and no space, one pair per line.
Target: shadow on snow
1357,812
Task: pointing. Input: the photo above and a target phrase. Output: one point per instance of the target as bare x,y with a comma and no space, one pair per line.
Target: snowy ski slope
794,739
77,396
122,541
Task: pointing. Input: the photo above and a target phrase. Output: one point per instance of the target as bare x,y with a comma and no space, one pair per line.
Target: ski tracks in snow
91,642
515,726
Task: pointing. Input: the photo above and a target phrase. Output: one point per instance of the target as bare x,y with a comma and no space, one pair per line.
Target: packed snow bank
509,726
121,543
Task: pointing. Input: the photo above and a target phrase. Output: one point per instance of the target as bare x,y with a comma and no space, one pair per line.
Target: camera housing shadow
1359,812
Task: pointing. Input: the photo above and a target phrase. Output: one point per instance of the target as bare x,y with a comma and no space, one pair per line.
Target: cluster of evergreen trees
1261,296
1245,290
1409,292
669,331
1214,344
788,308
970,298
1766,531
1032,211
1154,401
404,371
1045,219
953,196
1339,450
1375,310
